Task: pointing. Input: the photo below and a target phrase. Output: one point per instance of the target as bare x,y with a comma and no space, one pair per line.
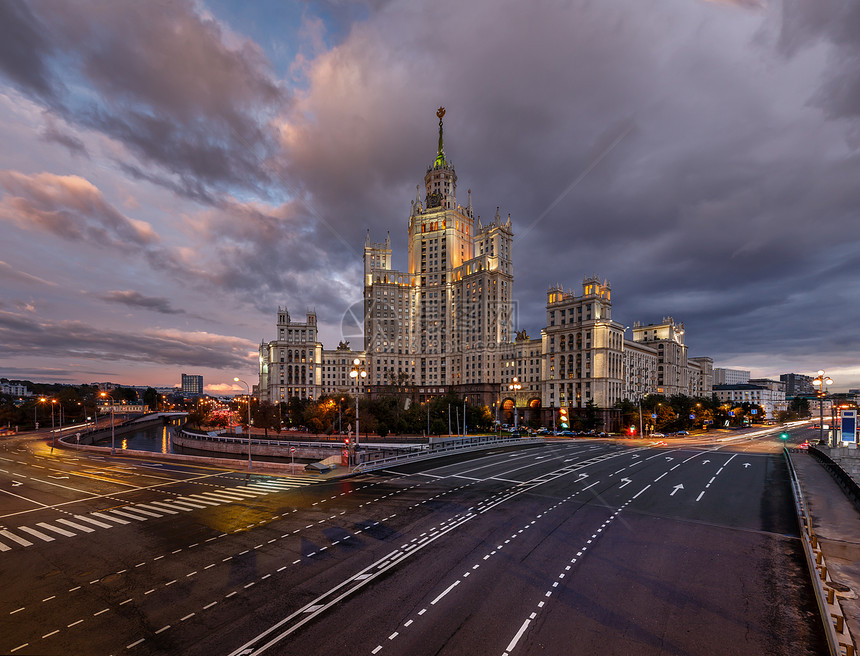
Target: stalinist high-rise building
446,324
442,322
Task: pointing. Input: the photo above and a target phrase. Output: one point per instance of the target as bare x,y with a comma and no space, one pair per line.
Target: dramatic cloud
69,207
701,155
23,335
138,300
175,86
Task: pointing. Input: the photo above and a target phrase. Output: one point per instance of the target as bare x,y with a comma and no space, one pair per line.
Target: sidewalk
837,525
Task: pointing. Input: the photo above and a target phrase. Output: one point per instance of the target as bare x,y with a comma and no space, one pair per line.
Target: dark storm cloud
166,81
24,335
806,25
277,256
137,300
25,47
720,198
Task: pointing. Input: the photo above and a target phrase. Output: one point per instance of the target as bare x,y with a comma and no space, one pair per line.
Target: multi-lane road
572,547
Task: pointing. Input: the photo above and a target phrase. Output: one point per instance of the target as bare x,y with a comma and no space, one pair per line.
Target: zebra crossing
27,536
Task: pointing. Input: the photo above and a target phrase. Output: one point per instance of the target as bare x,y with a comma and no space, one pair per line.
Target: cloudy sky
172,171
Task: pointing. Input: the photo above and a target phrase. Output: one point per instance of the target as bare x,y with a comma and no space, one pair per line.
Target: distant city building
14,389
730,376
797,385
769,394
446,324
192,385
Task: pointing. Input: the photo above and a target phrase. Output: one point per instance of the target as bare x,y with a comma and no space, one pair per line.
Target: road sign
292,449
849,426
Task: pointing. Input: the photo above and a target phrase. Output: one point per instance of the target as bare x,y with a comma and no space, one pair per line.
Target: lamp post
35,407
356,373
239,380
515,386
112,429
821,382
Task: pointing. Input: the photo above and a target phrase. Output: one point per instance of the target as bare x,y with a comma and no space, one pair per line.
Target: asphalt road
572,547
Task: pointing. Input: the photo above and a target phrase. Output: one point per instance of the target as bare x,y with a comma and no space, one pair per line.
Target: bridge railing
825,594
446,449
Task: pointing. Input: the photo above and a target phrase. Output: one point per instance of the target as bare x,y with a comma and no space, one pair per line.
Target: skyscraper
443,320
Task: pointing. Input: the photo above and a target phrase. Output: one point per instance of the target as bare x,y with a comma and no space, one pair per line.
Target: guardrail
825,594
843,478
446,449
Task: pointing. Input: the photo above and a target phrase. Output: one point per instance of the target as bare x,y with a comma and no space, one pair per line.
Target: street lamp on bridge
239,380
821,382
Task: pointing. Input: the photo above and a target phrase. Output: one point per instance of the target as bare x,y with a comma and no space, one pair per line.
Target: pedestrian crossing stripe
80,524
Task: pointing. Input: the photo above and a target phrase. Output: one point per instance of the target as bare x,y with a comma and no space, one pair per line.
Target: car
804,446
682,433
656,435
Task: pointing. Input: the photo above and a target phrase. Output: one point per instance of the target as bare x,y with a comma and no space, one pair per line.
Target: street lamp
821,382
112,430
238,380
35,407
515,386
356,373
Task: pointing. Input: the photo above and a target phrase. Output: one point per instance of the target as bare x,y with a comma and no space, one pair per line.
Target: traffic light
346,441
783,436
562,418
632,431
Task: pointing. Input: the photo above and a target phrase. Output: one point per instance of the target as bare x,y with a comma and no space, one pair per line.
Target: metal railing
446,449
825,595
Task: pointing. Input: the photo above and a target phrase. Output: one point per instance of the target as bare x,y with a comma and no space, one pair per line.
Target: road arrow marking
679,486
582,476
16,483
705,462
669,458
746,464
627,481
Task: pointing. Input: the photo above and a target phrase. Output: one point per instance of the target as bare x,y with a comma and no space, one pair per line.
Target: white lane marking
79,527
519,634
163,507
123,513
58,531
641,491
446,591
105,515
38,534
188,502
154,508
15,538
94,522
701,494
200,499
137,508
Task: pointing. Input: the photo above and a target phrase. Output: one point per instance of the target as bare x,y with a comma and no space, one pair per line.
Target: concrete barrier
829,609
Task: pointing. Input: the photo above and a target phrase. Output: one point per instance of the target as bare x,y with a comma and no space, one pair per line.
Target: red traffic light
346,441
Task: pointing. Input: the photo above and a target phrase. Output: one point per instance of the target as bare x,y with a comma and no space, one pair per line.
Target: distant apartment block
797,385
192,385
724,376
14,389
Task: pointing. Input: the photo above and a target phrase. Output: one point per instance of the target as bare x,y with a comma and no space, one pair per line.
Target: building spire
440,156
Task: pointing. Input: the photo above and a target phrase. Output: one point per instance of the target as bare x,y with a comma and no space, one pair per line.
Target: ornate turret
440,182
440,156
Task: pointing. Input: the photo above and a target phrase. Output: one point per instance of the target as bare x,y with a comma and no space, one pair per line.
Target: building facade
446,323
724,376
797,385
192,385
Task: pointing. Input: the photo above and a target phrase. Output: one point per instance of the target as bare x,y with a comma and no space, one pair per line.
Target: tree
150,398
800,406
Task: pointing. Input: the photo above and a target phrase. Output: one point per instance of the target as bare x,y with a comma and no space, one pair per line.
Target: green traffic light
783,436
